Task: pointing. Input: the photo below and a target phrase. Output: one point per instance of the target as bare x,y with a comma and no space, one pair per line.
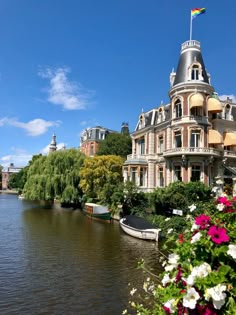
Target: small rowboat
139,228
97,212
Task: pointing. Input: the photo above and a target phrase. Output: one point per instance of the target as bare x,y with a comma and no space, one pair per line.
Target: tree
100,177
55,176
116,144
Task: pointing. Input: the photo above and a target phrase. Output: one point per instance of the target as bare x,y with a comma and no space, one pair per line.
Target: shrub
200,273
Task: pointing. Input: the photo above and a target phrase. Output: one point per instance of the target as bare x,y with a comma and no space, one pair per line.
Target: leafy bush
200,273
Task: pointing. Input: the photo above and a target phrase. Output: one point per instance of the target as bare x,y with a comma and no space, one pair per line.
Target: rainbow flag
197,11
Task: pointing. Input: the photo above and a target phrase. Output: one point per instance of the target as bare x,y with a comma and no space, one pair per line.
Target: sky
67,65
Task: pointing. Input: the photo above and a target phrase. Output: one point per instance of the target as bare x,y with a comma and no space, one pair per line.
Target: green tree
55,176
116,144
100,177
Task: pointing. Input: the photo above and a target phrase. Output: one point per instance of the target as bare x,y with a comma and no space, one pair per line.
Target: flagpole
191,24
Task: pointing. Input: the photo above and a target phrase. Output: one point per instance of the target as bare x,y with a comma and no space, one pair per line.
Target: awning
214,137
229,139
196,100
214,105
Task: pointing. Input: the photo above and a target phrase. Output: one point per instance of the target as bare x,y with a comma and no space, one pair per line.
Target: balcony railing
229,153
191,151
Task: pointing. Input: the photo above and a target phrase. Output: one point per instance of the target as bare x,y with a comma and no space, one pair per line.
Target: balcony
190,118
191,151
231,154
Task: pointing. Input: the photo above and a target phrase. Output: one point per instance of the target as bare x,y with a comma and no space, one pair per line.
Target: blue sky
67,65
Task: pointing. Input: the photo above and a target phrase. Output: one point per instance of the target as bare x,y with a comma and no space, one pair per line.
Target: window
196,172
141,146
177,173
161,177
178,139
227,112
195,73
141,122
91,149
160,115
195,139
196,111
161,144
133,172
178,109
142,177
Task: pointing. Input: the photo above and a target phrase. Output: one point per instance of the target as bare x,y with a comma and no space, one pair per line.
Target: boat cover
137,222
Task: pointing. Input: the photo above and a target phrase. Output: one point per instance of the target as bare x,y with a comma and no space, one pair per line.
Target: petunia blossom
217,294
202,220
218,235
196,238
169,306
190,299
232,251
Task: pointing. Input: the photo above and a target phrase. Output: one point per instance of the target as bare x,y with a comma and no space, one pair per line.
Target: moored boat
97,212
139,228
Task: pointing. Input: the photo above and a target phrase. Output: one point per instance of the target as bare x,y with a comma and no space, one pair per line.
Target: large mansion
193,138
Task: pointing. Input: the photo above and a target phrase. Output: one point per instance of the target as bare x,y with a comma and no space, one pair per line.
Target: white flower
220,206
173,259
198,272
190,280
166,279
194,227
192,208
170,267
167,219
217,295
133,291
191,298
124,312
196,237
232,251
169,231
170,305
214,189
219,182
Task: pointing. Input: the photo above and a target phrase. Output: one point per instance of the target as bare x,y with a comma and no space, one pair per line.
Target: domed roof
196,100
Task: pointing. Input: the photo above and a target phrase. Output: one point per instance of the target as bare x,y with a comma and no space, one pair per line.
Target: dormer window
195,72
141,121
160,115
178,108
227,112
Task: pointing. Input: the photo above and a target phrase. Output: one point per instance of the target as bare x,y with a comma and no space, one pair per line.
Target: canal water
58,261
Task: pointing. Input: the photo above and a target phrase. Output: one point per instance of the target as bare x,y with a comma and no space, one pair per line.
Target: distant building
192,138
53,144
90,139
7,172
125,128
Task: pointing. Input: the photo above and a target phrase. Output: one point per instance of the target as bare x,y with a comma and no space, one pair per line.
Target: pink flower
218,234
202,220
225,201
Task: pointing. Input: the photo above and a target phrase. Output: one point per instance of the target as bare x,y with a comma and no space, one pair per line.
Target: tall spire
53,144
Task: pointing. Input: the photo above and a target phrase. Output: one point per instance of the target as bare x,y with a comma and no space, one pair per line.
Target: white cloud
35,127
71,95
225,96
20,159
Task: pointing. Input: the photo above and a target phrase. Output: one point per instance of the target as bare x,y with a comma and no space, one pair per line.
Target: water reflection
62,262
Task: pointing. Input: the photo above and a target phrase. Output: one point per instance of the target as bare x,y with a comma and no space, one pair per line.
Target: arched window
178,108
141,121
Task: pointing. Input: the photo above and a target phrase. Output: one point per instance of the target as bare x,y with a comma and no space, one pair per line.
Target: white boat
20,197
139,228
